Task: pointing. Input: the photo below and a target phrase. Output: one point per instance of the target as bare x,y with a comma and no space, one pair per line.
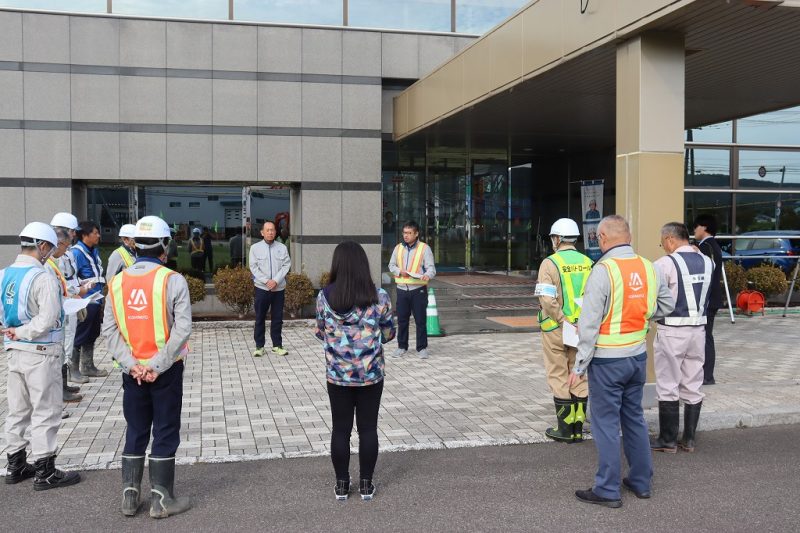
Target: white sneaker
423,353
399,352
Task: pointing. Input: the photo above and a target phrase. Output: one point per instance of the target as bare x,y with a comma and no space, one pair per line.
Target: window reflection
757,212
200,9
779,169
479,16
717,204
328,12
83,6
778,127
428,15
707,168
716,133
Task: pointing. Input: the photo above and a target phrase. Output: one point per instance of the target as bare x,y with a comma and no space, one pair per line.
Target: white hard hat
196,230
65,220
565,227
127,230
151,227
39,231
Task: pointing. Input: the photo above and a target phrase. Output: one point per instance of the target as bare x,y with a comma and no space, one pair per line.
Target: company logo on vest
138,300
10,293
635,282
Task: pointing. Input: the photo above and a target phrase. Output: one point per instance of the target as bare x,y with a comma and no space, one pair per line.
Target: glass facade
325,12
480,16
754,163
425,15
79,6
201,9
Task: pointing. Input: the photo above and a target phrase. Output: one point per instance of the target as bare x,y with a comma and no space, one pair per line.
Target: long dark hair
351,276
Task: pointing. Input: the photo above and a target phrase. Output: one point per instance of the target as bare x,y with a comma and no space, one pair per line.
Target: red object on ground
751,301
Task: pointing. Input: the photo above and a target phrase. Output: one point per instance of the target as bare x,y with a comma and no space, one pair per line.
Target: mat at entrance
515,321
484,280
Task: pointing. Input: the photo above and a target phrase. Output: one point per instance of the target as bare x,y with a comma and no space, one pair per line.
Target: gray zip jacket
596,303
269,261
179,320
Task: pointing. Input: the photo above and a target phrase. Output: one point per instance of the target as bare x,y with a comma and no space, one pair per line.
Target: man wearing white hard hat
197,250
66,264
562,277
147,323
125,255
33,333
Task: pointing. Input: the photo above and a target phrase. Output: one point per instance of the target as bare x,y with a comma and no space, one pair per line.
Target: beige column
650,133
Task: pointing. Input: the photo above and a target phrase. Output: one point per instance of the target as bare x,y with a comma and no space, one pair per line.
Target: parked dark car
785,243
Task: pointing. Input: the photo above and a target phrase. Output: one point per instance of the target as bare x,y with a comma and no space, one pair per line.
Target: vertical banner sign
592,212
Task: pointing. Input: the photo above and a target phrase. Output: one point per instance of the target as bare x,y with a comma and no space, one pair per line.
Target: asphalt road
738,480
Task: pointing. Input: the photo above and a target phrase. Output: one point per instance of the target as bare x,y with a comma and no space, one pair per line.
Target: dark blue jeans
154,405
615,393
88,330
266,300
415,302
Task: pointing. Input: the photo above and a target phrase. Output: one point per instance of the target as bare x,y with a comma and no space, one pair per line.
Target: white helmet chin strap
162,242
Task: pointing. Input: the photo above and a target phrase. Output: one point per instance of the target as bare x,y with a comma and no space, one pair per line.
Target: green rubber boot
580,418
565,413
163,502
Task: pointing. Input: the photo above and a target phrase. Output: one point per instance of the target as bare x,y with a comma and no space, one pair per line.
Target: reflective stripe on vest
634,288
16,285
140,309
127,258
197,249
59,275
574,269
416,264
689,311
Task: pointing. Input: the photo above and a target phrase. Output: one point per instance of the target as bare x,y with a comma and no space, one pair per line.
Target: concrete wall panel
143,43
279,158
143,156
235,47
368,206
400,55
10,36
235,103
279,104
45,38
95,98
322,105
322,51
94,41
189,101
46,96
433,51
322,159
189,45
361,160
13,219
142,99
361,53
12,160
361,107
280,49
95,155
325,210
11,90
189,157
235,158
47,154
42,203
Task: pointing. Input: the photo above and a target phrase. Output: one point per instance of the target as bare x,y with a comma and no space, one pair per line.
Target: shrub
197,289
299,292
192,273
737,279
324,280
235,289
768,279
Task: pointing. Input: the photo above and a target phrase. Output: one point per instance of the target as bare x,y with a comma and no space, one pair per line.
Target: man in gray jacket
622,294
269,262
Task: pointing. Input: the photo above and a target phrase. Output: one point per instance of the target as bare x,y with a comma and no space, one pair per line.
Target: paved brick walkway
475,389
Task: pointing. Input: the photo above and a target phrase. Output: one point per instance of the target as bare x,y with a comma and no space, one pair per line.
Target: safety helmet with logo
127,230
152,229
65,220
565,227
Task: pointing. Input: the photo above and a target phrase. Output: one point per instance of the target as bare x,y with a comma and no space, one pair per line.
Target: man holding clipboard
562,277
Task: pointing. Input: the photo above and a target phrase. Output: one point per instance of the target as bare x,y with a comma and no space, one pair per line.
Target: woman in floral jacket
354,321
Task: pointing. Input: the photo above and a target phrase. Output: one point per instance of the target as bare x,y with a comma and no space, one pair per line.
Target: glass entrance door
489,202
446,219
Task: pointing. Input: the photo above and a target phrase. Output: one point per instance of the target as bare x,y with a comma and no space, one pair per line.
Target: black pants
154,405
210,259
365,401
415,302
711,351
86,332
264,301
198,261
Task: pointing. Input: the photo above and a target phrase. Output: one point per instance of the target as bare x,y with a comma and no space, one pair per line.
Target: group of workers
595,320
146,323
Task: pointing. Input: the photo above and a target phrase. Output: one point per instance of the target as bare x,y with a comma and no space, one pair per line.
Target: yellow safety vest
574,269
127,258
61,279
634,290
415,266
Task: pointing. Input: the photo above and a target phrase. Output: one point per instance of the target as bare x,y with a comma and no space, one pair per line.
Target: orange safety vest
416,264
139,302
634,289
59,275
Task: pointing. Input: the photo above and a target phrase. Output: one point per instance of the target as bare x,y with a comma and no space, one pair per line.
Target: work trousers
87,331
155,406
365,402
269,302
558,363
679,355
34,401
615,389
416,302
711,350
70,327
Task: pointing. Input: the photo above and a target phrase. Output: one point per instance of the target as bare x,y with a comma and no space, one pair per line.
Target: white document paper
569,334
73,305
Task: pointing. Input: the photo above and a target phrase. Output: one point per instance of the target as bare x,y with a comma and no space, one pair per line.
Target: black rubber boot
565,413
49,477
18,468
132,471
75,375
67,395
87,363
163,502
580,418
691,415
65,379
668,420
